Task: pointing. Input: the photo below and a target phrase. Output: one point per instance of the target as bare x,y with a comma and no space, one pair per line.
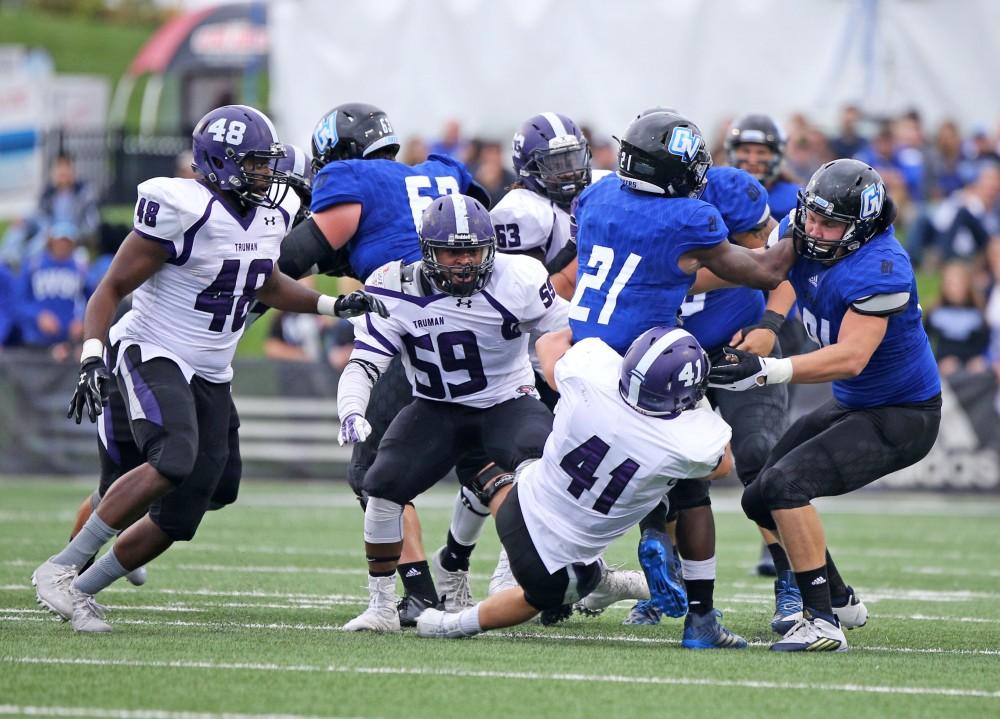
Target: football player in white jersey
625,431
201,251
460,320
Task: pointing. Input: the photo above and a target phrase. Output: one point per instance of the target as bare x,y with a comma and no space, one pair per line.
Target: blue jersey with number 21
393,197
628,244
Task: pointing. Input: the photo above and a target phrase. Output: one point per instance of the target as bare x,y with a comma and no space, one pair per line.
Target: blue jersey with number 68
393,197
628,245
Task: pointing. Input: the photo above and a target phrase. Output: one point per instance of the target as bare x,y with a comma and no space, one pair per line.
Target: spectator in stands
339,341
294,338
490,171
66,199
49,292
451,142
109,238
908,154
944,162
850,142
414,151
976,216
8,311
184,166
957,325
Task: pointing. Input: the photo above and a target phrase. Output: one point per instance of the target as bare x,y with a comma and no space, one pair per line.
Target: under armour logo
270,220
459,301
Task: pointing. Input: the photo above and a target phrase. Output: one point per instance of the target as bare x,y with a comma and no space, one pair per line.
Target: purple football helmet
457,222
552,157
236,148
664,372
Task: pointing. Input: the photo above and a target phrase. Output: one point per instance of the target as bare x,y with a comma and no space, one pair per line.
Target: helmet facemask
463,279
261,182
820,249
562,171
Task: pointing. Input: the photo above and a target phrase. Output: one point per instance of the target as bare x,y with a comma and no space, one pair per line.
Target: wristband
92,348
326,305
779,370
772,321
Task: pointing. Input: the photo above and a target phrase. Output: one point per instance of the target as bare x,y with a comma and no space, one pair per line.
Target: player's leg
539,589
176,516
164,426
416,451
833,462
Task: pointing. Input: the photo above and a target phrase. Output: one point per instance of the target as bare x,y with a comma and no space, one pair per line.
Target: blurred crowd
946,184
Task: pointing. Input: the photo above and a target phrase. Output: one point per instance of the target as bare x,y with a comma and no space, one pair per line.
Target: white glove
354,429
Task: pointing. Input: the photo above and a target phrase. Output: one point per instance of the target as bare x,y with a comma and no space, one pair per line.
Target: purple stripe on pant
147,400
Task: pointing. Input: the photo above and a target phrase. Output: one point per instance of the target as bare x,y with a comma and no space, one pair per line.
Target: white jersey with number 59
605,466
193,309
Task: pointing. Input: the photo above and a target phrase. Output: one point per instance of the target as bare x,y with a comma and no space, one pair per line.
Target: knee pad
755,506
688,494
171,453
180,526
486,484
782,491
383,521
750,455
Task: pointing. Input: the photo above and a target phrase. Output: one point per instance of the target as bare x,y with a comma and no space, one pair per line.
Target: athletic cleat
502,578
88,615
852,613
52,583
551,617
456,594
410,607
787,603
435,624
663,573
615,585
644,613
765,567
137,577
812,634
705,631
381,614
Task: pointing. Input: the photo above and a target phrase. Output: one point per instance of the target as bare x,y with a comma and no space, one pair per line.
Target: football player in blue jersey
642,236
858,297
366,210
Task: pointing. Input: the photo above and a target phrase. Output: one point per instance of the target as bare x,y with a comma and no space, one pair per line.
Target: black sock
838,589
700,593
372,573
656,519
417,581
455,557
779,558
815,588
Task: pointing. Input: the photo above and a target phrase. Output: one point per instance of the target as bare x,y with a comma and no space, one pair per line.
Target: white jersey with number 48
193,309
605,466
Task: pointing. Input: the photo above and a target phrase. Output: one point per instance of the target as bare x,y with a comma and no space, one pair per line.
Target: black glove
91,390
358,303
737,371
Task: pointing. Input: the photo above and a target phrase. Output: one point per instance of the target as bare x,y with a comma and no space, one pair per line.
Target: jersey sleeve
520,223
159,215
703,228
375,337
709,435
880,283
739,197
336,184
456,169
544,310
588,358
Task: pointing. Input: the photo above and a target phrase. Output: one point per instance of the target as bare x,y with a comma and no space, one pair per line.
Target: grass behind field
245,620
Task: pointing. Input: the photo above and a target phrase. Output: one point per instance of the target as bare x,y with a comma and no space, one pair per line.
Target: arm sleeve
336,184
356,382
158,216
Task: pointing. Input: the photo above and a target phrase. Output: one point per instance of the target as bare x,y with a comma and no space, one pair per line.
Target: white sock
468,518
698,569
468,621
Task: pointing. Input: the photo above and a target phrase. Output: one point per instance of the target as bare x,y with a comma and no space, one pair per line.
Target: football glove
739,371
91,390
354,429
358,303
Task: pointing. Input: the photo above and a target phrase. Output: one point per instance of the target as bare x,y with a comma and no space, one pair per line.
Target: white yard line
531,676
60,711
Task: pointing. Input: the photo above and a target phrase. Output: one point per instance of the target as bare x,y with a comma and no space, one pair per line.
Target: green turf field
244,621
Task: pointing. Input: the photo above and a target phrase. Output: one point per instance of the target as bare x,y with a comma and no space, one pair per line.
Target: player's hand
758,340
91,390
354,429
358,303
739,371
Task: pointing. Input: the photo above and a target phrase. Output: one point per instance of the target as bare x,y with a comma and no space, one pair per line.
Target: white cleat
812,634
381,615
453,587
615,585
853,613
52,587
435,624
502,578
88,615
137,577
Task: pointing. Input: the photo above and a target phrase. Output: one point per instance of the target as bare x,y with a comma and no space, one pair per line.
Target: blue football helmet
352,131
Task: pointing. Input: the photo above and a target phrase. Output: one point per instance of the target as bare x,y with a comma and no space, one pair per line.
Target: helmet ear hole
217,163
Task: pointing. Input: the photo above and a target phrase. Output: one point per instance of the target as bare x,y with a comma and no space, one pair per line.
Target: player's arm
282,292
550,348
370,357
136,261
760,338
564,280
754,239
725,465
738,265
338,223
859,337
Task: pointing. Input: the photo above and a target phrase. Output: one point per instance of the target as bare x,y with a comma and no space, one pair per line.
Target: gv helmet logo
684,143
872,199
326,132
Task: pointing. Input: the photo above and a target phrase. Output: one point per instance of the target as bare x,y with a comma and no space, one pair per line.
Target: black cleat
550,617
410,607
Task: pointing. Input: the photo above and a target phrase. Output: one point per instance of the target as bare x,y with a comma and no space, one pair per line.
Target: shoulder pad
388,276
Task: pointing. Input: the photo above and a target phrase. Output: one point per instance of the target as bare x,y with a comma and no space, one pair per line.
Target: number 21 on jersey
603,258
